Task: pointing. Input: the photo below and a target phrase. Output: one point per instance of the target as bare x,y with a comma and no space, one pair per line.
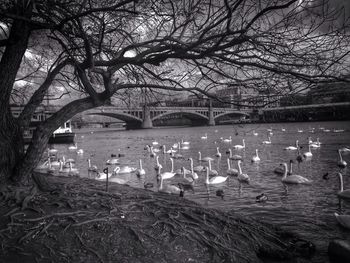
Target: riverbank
75,220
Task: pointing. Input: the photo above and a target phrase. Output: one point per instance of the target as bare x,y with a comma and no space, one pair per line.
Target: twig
88,248
96,220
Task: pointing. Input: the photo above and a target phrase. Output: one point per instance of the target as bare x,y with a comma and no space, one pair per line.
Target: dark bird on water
261,198
220,193
147,185
325,176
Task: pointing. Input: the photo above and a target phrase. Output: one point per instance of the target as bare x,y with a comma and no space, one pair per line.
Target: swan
158,166
269,130
218,153
293,148
345,149
343,220
184,143
193,174
124,170
212,172
240,146
46,166
261,198
154,143
73,147
309,140
255,133
166,188
199,168
344,194
140,171
167,175
204,137
235,156
283,129
241,176
184,174
55,163
308,154
341,162
72,171
205,159
63,170
256,157
80,151
52,151
175,145
279,170
227,140
267,142
112,161
299,130
152,153
216,179
184,146
293,178
91,168
231,171
177,155
168,151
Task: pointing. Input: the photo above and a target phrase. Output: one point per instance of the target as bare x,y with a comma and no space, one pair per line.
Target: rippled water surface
305,209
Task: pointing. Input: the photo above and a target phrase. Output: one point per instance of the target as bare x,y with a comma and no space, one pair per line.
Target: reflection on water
306,209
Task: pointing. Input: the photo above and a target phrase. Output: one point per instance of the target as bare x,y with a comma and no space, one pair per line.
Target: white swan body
73,147
343,220
168,175
239,147
235,156
267,142
293,148
91,168
241,176
344,194
255,133
124,170
168,151
140,171
184,143
204,137
227,140
112,161
52,151
341,162
216,179
256,157
231,171
166,188
293,178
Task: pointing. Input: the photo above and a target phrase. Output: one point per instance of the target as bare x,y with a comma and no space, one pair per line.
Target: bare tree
96,49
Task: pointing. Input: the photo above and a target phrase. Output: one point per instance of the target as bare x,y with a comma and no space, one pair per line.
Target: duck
240,147
212,172
241,176
341,163
325,176
148,185
308,154
343,194
293,148
91,168
205,136
343,220
73,147
168,188
261,198
158,166
267,142
167,175
293,178
231,171
218,153
256,157
140,171
186,187
220,193
218,179
205,159
235,156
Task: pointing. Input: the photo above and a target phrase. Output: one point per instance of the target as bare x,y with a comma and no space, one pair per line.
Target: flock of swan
187,177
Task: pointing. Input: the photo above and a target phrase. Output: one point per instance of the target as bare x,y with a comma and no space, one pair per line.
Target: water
305,209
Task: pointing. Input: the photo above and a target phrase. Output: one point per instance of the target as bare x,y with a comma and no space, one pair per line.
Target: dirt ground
77,221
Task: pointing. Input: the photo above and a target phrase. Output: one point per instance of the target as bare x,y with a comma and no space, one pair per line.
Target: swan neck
243,142
172,165
191,160
228,163
200,156
209,161
207,176
291,168
285,171
230,152
341,158
256,151
239,167
89,163
140,164
341,184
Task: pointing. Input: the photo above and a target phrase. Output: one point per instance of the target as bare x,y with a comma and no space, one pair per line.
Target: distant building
329,93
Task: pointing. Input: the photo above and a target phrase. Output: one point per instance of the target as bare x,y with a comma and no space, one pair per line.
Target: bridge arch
188,114
121,116
232,113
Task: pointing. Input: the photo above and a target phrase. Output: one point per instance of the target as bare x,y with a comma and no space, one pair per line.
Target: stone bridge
143,117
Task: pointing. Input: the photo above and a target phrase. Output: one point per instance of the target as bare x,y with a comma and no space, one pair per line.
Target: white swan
256,157
72,171
193,173
154,143
344,194
238,146
91,168
199,168
184,143
255,133
267,142
112,161
158,166
52,151
235,156
341,162
166,188
280,169
73,147
152,153
345,149
293,148
205,159
308,154
204,137
231,171
168,151
168,175
124,170
63,170
227,140
283,129
80,151
140,171
293,178
241,176
214,180
185,174
343,220
218,153
212,172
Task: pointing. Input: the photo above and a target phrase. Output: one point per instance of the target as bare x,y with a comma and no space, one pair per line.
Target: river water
304,209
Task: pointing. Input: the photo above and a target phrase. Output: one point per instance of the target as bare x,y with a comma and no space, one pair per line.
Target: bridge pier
211,121
147,121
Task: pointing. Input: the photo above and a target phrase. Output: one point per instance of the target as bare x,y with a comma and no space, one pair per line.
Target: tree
100,49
